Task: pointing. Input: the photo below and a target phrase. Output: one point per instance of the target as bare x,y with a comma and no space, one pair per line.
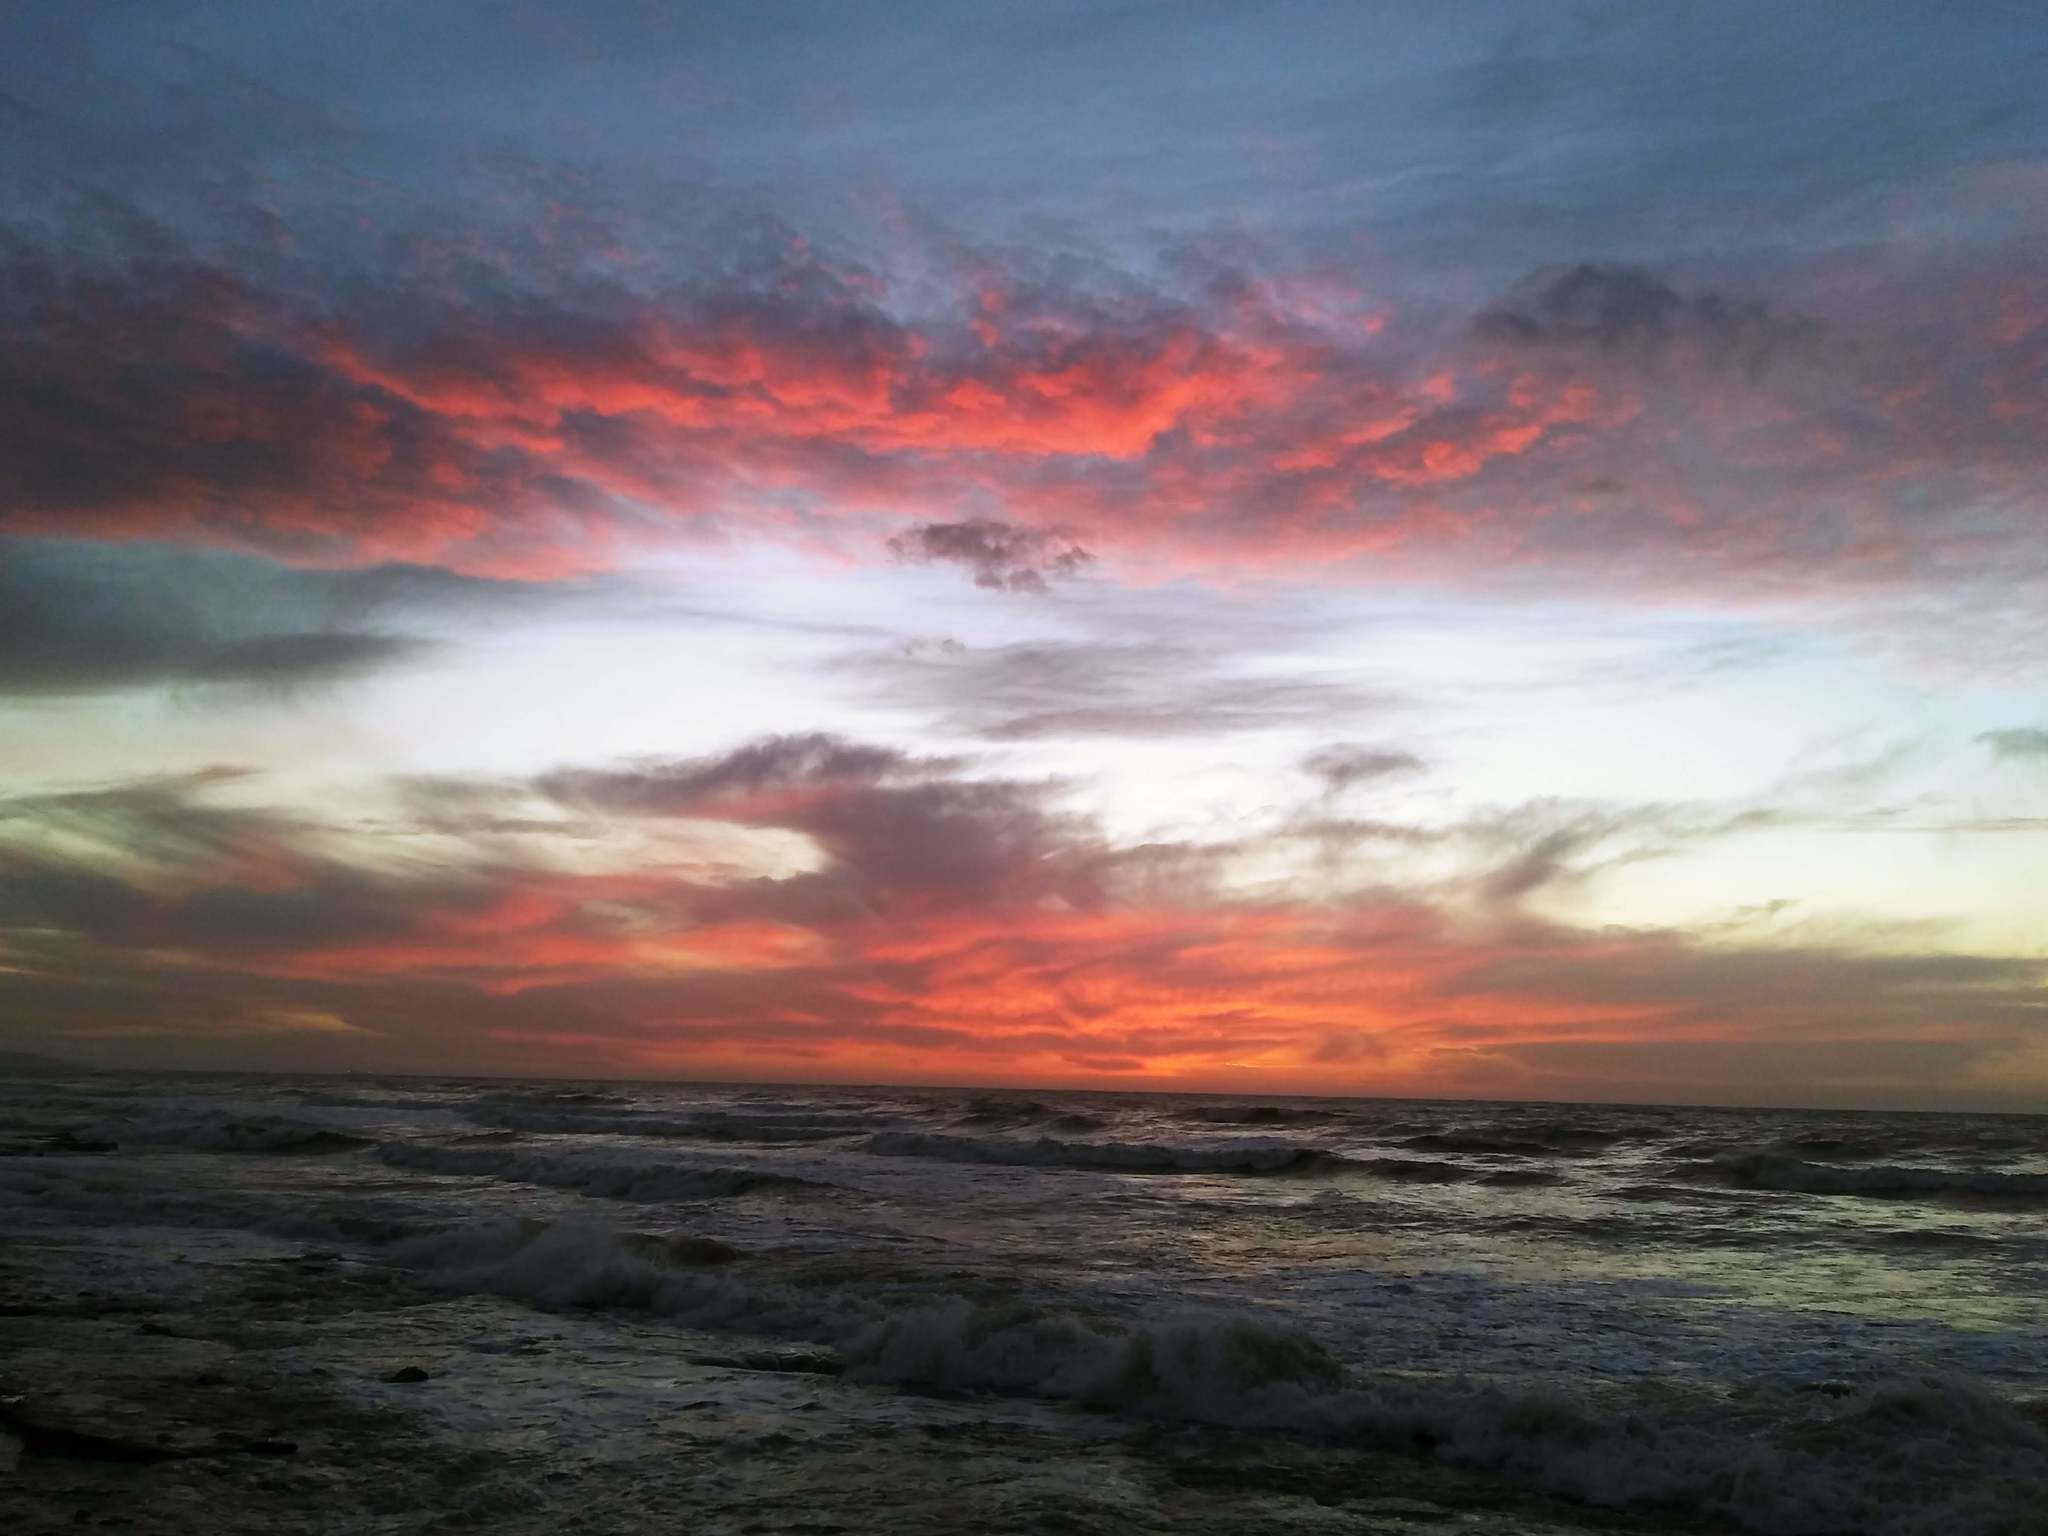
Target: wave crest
1105,1156
1793,1175
604,1177
217,1130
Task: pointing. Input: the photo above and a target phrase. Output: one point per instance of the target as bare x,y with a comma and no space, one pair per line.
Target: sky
1396,549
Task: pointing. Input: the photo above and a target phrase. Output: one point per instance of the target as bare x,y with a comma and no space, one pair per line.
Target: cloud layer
1025,413
933,923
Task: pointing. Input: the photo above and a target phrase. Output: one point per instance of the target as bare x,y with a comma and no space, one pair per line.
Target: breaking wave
995,1112
1907,1456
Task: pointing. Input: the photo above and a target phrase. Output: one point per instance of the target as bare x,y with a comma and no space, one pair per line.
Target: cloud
1000,556
699,786
163,822
510,407
1207,416
951,926
78,618
1038,690
1343,765
894,830
1623,310
2022,743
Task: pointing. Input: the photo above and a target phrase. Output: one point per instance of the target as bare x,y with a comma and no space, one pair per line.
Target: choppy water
1792,1321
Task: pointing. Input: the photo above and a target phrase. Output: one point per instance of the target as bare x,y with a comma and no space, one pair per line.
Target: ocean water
1773,1321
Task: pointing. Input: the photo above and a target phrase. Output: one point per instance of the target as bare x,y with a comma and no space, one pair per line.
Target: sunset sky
1388,549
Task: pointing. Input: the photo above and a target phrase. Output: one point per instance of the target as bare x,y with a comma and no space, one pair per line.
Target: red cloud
1281,419
1034,954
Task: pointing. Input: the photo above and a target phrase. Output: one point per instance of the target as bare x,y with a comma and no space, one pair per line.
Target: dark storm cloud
1628,311
2023,743
1000,557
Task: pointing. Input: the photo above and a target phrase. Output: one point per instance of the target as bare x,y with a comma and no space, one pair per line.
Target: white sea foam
1911,1456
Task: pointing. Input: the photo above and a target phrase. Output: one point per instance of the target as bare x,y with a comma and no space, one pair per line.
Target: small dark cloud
1343,765
1001,556
1628,311
2022,743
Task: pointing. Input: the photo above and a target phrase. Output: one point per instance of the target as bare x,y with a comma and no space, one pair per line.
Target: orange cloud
1275,420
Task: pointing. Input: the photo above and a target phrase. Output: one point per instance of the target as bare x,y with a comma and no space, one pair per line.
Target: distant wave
998,1112
215,1130
1864,1146
1487,1145
1935,1136
702,1125
1259,1114
122,1197
1414,1170
1767,1170
1161,1157
596,1174
1519,1178
1105,1156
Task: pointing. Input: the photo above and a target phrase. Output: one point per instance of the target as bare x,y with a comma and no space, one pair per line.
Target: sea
766,1308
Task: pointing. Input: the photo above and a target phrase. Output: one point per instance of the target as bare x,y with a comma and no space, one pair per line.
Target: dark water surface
1781,1321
